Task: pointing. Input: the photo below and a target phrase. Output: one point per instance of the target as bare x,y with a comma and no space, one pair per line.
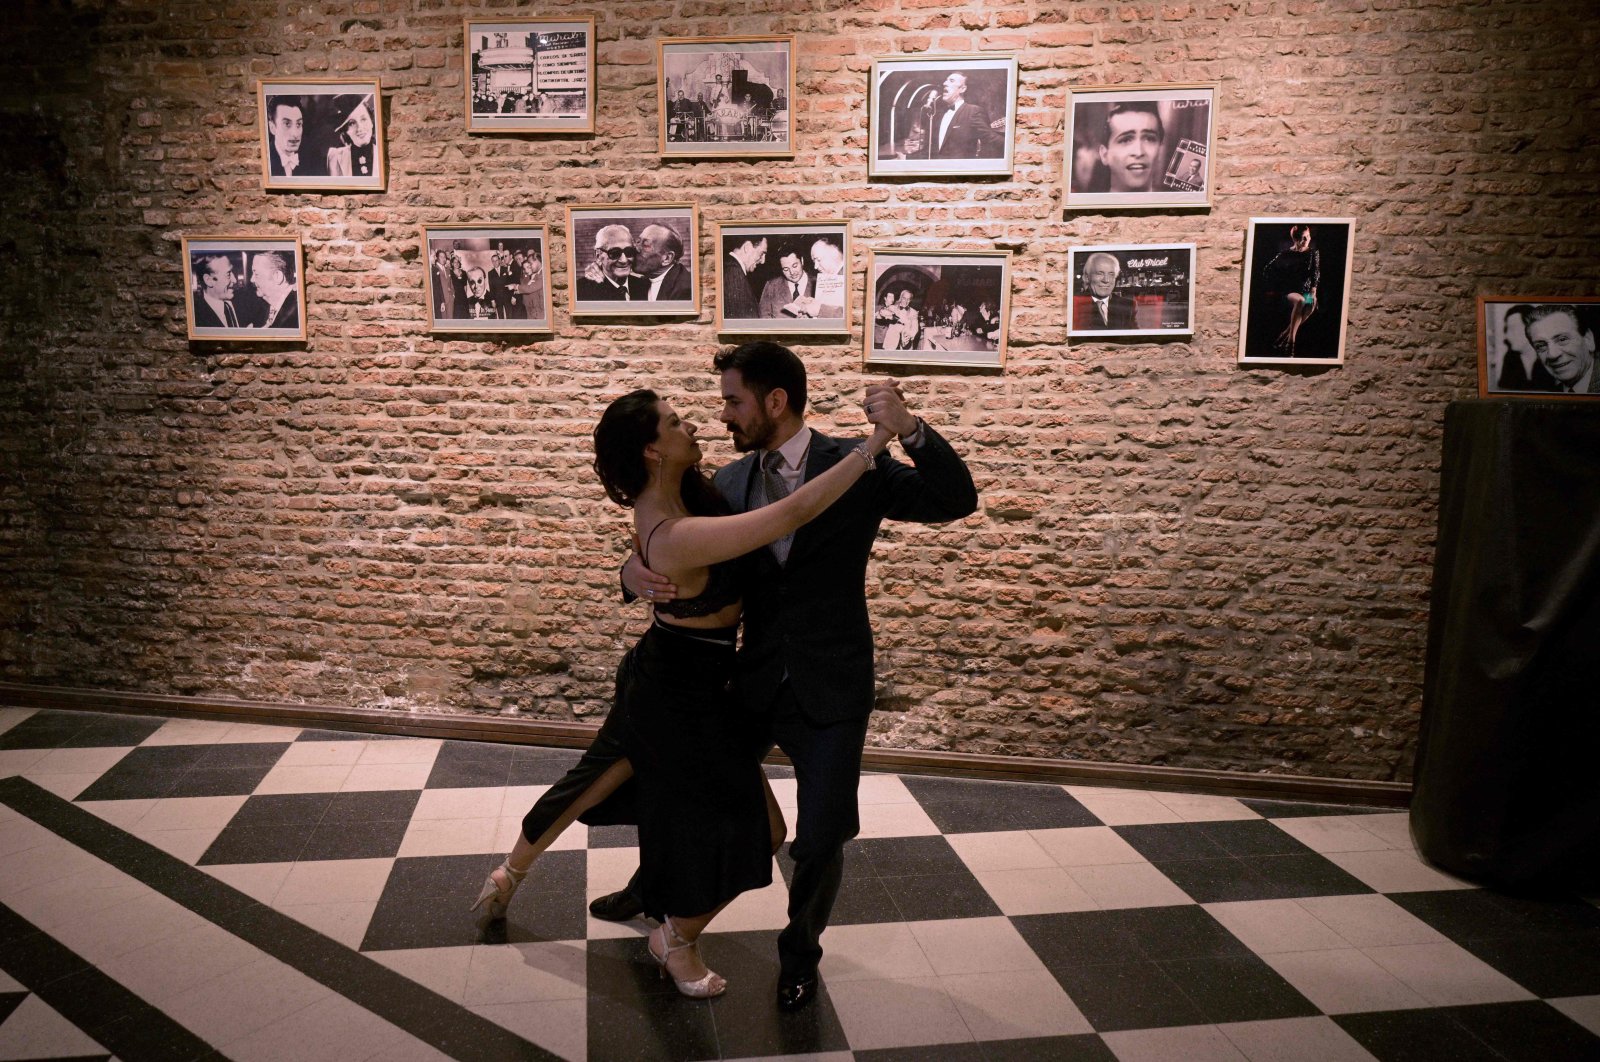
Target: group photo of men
783,276
487,279
937,306
245,289
719,99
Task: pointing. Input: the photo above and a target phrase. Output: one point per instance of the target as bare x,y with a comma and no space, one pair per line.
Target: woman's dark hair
1296,231
628,425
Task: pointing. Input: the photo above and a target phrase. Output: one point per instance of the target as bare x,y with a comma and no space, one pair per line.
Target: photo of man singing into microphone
948,115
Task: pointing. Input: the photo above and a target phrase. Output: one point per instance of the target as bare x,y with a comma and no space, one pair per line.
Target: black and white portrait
943,115
638,260
530,77
783,276
722,96
487,278
245,288
1139,290
1139,146
321,135
938,307
1538,346
1296,290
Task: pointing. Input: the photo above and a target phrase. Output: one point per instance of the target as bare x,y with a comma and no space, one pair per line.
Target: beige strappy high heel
708,987
496,897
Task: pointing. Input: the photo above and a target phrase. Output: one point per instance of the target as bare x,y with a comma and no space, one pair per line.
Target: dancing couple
780,539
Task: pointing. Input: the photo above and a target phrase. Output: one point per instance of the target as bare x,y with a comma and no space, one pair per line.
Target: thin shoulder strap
645,553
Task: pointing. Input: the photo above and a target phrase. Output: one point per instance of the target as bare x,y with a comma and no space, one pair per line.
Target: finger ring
649,593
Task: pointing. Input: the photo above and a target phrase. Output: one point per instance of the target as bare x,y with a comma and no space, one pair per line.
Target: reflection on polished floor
181,889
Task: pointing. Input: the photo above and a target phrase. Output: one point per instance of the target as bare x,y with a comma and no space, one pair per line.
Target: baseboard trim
578,735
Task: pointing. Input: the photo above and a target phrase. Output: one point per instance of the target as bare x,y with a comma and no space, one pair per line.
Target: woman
707,829
353,156
1295,272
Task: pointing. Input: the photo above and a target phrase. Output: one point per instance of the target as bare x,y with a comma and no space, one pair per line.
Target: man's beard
761,433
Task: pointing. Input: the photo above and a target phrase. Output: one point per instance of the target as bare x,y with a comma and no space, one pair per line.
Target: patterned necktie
776,489
233,320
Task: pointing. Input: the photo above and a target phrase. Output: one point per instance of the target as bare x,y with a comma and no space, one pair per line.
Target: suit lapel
824,454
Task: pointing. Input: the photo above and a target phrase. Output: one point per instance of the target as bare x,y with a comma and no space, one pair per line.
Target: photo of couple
633,255
775,542
325,135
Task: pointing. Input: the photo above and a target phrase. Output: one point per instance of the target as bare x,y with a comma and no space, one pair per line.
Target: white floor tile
1196,807
1014,1005
1447,975
974,945
1333,833
1184,1043
883,951
443,970
1370,921
526,973
1585,1010
908,1012
1295,1040
1393,870
334,881
345,922
1086,846
1043,890
1015,850
559,1025
1343,981
1128,885
892,820
1269,927
1123,807
36,1030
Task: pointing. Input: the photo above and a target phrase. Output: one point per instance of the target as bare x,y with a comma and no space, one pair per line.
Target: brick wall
1177,561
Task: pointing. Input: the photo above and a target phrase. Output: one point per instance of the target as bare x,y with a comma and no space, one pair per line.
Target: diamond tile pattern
1034,922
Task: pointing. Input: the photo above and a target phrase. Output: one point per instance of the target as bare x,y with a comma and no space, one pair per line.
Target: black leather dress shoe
797,993
616,906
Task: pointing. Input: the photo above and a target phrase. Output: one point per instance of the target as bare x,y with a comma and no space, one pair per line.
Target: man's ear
777,401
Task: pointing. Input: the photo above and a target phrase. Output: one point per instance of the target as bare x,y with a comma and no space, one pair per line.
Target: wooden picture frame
1144,289
797,280
725,97
321,135
600,237
1538,346
1139,147
529,76
937,308
245,288
1295,309
942,115
494,278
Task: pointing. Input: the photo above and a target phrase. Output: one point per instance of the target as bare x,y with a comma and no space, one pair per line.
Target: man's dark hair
1550,309
274,103
673,244
200,266
765,367
1135,108
1521,310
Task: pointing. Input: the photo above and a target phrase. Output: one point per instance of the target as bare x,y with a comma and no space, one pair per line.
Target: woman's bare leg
775,824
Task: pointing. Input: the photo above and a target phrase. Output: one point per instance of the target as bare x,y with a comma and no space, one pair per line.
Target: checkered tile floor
174,888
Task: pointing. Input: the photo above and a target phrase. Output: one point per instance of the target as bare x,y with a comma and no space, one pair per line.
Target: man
214,285
444,289
286,127
531,283
961,129
610,277
827,261
479,304
1520,367
1565,346
1133,146
273,278
806,662
1103,309
793,290
738,300
660,263
683,125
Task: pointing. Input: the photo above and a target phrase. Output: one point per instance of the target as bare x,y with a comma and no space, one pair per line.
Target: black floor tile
1171,841
1549,967
246,754
1175,933
1465,914
354,840
960,806
470,765
373,806
748,1025
1134,995
962,1052
1237,988
110,731
1426,1035
901,856
1080,938
1283,809
613,837
1085,1048
282,808
550,905
424,903
862,900
1219,880
280,842
930,897
633,1014
145,773
1251,837
219,781
1532,1031
1305,874
78,730
1563,917
336,735
8,1003
531,766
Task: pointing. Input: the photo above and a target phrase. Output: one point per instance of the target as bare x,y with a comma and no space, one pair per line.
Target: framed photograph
1296,291
530,76
783,277
725,96
248,288
487,278
938,307
1139,146
633,260
1131,290
942,115
1538,346
321,136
